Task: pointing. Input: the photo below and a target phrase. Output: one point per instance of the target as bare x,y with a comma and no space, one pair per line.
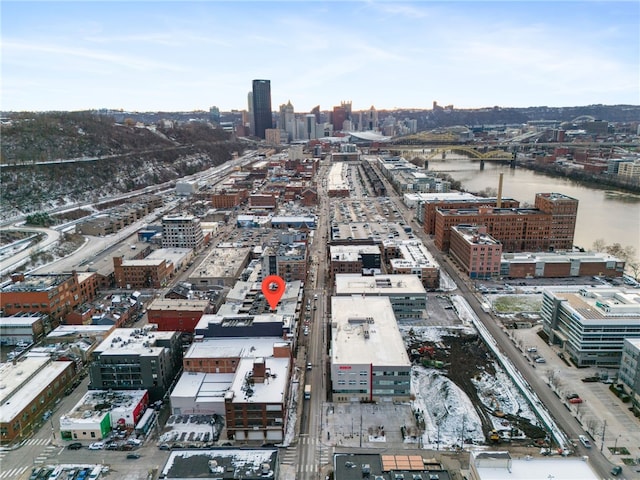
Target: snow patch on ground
446,410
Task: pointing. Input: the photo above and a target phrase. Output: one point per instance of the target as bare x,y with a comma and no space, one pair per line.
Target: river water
602,214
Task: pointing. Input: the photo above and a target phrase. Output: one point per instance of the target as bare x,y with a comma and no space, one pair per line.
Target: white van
585,441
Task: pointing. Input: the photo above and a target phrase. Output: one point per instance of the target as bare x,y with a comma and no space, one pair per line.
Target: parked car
540,360
133,456
575,400
585,441
96,446
74,446
617,470
532,349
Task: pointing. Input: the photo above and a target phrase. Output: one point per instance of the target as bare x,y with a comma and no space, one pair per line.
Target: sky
184,56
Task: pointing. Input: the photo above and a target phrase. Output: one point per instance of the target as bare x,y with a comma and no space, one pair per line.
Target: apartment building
182,231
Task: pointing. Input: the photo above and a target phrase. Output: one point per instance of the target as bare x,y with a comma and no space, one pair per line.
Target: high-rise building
262,115
214,115
288,121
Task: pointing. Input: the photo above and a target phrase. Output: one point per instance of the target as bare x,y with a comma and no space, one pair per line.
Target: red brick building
431,206
228,198
477,253
145,273
177,315
518,229
54,295
564,211
263,201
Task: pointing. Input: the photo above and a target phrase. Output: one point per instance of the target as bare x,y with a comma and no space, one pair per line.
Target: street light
615,445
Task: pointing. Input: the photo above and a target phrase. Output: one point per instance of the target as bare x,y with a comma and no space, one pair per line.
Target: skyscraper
262,116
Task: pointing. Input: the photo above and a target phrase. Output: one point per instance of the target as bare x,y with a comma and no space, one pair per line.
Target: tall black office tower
262,115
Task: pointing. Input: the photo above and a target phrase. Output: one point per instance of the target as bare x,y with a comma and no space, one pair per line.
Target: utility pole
604,426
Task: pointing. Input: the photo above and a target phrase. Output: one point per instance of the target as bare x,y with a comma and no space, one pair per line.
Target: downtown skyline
166,56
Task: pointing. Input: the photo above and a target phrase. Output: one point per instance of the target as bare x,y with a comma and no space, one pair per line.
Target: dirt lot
463,358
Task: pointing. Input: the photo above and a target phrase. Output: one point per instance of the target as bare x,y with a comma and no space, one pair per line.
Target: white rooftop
24,382
134,341
598,303
203,387
272,390
351,253
557,468
350,284
233,347
364,331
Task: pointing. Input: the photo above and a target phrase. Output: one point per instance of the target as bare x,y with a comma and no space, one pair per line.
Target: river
602,214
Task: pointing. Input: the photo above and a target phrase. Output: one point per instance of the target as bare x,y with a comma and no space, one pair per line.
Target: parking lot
598,404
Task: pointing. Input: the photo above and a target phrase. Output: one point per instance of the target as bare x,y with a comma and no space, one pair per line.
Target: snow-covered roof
500,466
233,347
349,284
244,463
23,382
272,390
364,331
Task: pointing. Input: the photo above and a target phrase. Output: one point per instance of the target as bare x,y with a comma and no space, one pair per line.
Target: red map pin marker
272,289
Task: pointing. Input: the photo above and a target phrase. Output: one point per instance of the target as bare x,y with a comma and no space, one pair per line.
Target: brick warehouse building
518,229
55,295
549,226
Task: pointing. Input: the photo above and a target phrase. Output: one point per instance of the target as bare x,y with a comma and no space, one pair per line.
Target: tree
599,245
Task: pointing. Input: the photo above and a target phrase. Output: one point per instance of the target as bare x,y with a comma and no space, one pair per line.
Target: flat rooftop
233,347
351,253
364,331
272,390
389,285
532,468
178,304
25,381
227,463
133,341
600,303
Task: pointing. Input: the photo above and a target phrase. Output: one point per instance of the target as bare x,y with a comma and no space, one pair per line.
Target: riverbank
588,179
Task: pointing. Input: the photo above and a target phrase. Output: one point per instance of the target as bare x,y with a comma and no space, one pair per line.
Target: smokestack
499,199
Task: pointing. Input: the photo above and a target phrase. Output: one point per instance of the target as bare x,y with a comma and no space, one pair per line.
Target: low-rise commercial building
560,264
591,323
25,327
411,257
368,357
498,465
143,273
243,325
99,412
176,314
31,386
222,267
406,293
354,259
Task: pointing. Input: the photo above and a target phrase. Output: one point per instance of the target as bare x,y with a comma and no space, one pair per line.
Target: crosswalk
37,441
41,459
13,473
290,455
